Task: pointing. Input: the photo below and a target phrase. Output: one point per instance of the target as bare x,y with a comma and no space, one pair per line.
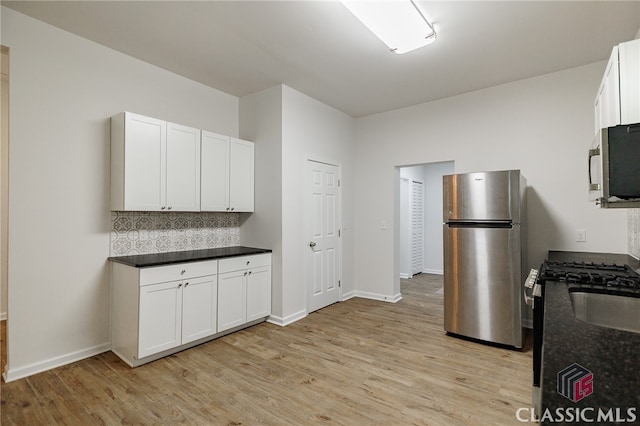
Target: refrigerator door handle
507,224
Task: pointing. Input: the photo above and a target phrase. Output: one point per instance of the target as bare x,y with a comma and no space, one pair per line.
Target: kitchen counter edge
169,258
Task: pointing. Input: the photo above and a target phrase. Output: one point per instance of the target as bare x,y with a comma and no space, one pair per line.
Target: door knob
312,244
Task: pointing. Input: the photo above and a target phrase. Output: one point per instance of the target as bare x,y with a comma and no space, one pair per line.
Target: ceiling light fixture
398,23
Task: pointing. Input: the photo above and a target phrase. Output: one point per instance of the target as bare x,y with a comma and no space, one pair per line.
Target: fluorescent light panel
398,23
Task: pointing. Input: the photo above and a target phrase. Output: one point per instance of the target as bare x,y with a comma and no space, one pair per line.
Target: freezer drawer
482,283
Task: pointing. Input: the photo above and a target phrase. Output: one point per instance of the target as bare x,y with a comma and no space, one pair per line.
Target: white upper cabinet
155,165
629,54
227,182
162,166
618,98
183,168
241,163
607,105
138,163
214,182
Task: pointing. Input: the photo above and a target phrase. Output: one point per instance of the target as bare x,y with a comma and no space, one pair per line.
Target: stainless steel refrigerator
485,255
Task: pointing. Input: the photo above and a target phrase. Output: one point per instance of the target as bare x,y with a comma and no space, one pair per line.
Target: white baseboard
349,295
28,370
283,321
3,316
405,276
382,297
527,323
433,271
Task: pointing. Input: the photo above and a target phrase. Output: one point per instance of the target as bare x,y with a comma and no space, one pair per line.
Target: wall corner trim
284,321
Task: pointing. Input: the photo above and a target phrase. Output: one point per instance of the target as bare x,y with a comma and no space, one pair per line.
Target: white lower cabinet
176,313
160,310
160,318
244,290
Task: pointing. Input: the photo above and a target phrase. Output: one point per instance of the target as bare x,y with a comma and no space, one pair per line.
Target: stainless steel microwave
614,167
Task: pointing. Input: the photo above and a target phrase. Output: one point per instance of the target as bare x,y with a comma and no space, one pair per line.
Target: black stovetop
601,277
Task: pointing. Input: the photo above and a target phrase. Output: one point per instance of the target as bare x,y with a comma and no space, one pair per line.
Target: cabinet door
610,94
241,163
232,307
160,321
258,293
199,308
145,163
629,53
183,168
214,181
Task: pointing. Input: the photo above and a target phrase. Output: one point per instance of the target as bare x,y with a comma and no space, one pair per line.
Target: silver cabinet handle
170,207
162,208
232,208
245,274
227,208
179,285
249,272
186,284
184,271
312,244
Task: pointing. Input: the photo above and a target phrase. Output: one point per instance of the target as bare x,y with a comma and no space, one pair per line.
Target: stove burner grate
603,275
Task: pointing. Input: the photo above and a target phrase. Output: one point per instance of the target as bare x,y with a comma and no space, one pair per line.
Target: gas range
597,277
584,277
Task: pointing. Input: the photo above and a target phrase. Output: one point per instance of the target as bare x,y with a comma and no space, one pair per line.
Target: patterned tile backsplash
155,232
634,232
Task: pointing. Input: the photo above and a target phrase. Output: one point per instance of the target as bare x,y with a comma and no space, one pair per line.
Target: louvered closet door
417,226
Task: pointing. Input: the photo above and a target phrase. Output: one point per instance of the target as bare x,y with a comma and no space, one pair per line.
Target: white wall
433,249
541,125
290,127
63,90
312,129
4,180
261,122
404,237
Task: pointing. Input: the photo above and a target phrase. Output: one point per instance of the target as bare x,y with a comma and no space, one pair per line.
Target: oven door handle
535,292
527,299
529,284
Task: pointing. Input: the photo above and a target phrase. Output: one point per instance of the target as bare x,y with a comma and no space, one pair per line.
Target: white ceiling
320,49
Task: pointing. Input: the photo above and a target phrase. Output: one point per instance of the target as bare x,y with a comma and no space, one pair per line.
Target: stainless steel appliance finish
484,255
614,167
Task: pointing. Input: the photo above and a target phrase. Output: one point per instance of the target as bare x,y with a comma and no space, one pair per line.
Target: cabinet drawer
177,271
244,262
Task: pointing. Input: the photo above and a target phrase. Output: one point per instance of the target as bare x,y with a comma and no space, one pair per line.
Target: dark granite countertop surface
613,356
159,259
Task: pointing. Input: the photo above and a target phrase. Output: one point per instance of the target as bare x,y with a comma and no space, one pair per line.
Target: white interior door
417,227
322,223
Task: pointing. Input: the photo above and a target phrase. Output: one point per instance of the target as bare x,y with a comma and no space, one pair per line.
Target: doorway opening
420,218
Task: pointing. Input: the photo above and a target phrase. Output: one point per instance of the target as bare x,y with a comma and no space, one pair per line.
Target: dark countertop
613,356
159,259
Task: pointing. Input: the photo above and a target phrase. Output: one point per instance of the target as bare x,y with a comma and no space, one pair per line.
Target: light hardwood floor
359,362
